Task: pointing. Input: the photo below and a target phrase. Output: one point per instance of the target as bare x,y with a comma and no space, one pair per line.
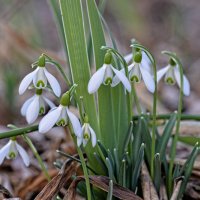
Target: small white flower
172,75
104,75
137,71
40,76
35,106
146,63
86,133
11,150
60,116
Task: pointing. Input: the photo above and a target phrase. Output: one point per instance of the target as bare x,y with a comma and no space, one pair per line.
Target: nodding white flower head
40,76
11,150
172,75
35,106
137,72
104,75
61,116
146,63
86,134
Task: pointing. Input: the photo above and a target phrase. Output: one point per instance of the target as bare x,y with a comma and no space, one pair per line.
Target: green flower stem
34,150
150,56
175,139
154,120
87,181
61,70
18,131
136,100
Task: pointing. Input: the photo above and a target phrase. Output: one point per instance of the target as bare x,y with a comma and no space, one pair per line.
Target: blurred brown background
27,28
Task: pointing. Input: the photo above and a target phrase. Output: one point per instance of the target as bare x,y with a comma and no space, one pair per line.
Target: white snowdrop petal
40,76
123,79
96,80
146,65
93,136
26,81
116,80
53,83
23,154
128,57
49,102
49,120
79,141
162,72
186,83
25,105
186,86
33,110
4,151
148,79
75,123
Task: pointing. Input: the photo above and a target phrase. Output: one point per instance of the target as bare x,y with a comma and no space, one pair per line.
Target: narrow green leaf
101,163
110,170
122,173
110,190
157,170
111,158
191,140
137,167
103,148
128,137
116,158
137,140
146,139
188,170
162,145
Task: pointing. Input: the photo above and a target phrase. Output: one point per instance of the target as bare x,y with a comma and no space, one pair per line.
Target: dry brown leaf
176,190
54,186
149,192
193,189
34,184
101,182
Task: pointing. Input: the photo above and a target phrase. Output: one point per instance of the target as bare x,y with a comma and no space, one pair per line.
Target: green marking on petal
86,136
108,81
42,110
170,81
40,83
61,122
12,155
135,79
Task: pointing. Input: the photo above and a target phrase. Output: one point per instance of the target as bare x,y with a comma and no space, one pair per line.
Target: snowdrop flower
61,116
35,106
172,75
137,71
104,75
11,150
40,76
146,63
86,134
